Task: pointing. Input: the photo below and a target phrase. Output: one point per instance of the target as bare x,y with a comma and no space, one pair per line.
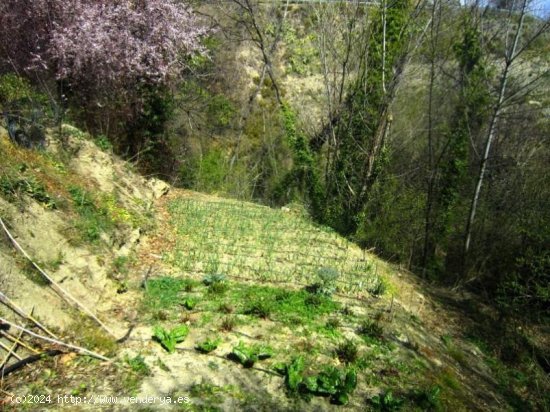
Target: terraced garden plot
258,243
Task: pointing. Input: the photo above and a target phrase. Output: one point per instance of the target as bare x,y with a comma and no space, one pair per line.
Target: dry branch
17,341
75,348
11,352
6,301
8,349
53,284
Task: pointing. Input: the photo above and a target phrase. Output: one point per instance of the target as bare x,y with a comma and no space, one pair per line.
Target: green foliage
469,113
163,292
259,308
248,355
169,339
138,365
386,402
327,282
144,134
526,288
209,345
300,53
376,286
303,178
331,382
371,329
103,143
206,173
12,186
220,112
213,278
216,283
391,218
289,306
14,88
360,155
93,219
189,303
429,399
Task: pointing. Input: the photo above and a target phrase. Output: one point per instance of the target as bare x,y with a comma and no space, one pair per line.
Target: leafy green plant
169,339
326,285
213,278
337,384
293,373
386,402
189,303
216,283
208,345
331,382
247,356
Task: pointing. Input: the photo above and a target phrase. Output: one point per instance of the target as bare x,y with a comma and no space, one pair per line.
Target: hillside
227,304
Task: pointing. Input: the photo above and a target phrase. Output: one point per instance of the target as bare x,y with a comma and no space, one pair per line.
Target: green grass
277,304
253,242
93,220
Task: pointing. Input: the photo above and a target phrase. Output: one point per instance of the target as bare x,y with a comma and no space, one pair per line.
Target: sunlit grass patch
257,243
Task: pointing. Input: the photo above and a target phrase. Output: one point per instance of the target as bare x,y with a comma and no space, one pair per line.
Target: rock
158,187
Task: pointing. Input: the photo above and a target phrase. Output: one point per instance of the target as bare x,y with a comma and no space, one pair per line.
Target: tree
362,126
100,51
103,41
449,170
515,46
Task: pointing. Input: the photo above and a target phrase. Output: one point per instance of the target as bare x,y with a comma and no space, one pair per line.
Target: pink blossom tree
115,59
102,42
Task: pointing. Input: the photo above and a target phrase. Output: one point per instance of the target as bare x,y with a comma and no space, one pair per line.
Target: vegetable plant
169,339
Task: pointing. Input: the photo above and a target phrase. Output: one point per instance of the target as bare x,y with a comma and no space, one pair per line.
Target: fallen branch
18,342
77,349
6,370
6,301
53,284
11,352
7,349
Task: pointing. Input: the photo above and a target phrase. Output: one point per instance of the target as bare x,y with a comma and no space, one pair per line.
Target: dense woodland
427,138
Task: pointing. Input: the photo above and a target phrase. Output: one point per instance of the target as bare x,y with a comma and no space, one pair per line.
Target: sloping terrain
232,305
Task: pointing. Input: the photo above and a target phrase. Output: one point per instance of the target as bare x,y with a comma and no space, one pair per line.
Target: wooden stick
8,350
17,341
11,352
78,349
60,291
6,301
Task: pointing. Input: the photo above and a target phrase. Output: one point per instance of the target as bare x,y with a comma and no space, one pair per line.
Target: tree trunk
491,132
